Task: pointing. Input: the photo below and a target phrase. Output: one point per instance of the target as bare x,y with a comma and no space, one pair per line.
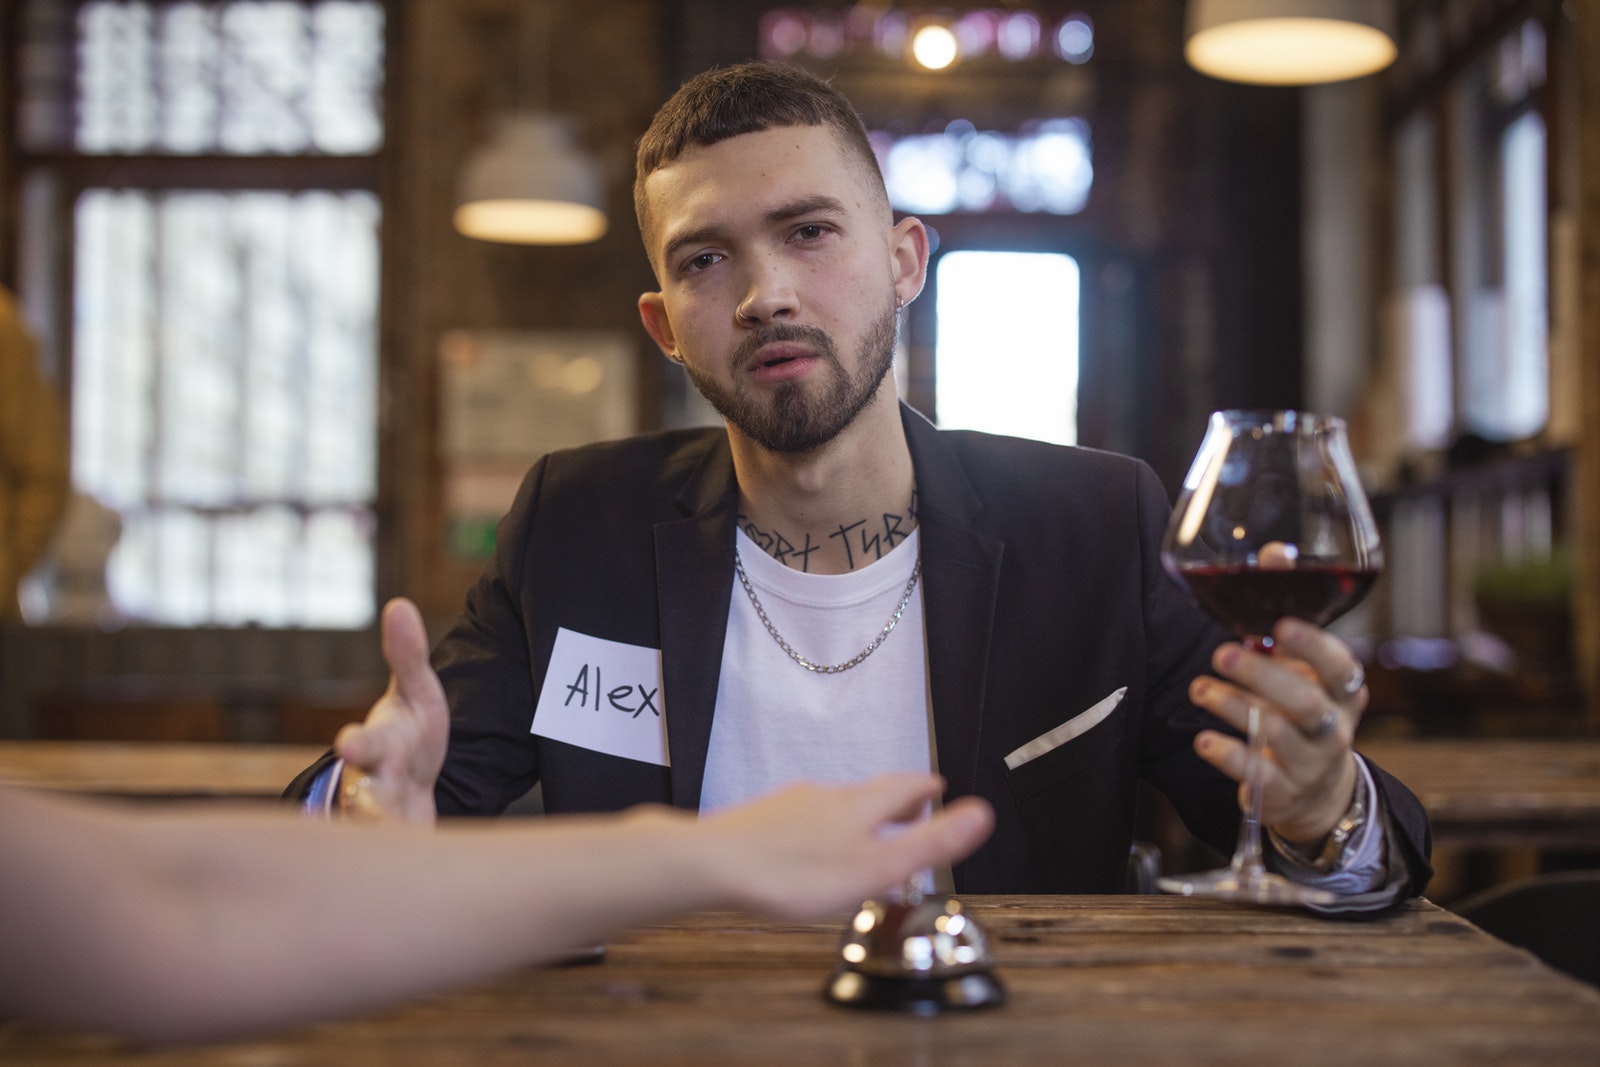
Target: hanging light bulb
1289,42
934,45
531,183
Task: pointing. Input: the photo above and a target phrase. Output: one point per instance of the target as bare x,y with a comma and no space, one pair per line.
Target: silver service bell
924,956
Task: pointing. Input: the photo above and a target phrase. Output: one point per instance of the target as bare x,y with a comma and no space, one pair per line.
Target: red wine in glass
1249,600
1271,521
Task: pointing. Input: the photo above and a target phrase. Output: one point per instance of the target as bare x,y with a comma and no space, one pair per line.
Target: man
833,588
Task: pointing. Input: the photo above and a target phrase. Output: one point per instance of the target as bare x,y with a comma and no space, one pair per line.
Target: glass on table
1271,521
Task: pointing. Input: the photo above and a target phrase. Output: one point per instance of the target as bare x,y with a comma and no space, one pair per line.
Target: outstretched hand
392,759
1311,694
811,849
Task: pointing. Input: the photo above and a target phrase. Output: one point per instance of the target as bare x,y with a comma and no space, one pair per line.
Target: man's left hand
1311,691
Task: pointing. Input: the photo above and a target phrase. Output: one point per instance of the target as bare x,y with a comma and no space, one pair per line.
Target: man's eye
811,231
701,262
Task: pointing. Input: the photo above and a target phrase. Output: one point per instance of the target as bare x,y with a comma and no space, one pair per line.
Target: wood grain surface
155,769
1093,980
1492,792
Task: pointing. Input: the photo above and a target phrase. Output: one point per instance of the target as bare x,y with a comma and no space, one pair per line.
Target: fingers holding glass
1337,669
1305,736
1292,687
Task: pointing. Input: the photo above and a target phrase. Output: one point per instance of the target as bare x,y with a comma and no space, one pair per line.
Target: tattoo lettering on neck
892,532
843,534
897,528
868,546
778,546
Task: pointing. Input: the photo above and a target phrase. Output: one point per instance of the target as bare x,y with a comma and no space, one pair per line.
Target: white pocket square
1074,727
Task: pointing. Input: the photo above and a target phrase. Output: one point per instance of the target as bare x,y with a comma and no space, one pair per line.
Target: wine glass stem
1247,857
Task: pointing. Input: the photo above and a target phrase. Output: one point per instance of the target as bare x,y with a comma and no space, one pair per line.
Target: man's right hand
393,758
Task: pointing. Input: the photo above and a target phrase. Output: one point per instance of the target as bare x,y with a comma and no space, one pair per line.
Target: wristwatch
1330,856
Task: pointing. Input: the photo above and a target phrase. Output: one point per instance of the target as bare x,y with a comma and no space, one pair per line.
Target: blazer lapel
960,583
694,580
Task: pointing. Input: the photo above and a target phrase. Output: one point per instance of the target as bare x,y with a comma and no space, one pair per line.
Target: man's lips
777,353
781,361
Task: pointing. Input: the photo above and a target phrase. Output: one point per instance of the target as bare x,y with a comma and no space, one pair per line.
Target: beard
801,416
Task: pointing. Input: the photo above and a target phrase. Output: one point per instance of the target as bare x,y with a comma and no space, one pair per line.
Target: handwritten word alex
618,697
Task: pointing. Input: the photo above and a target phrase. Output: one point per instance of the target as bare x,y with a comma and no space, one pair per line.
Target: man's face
780,272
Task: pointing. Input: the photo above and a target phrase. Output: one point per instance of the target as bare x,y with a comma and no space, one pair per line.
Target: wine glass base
1254,887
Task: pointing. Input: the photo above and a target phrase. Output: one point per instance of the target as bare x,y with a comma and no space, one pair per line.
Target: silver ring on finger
1325,725
1358,678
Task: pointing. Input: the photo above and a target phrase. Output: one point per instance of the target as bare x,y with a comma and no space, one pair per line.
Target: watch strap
1328,855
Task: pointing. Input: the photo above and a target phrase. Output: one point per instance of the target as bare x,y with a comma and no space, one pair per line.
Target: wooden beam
1586,480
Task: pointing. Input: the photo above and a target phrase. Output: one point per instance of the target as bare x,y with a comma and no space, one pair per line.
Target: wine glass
1271,521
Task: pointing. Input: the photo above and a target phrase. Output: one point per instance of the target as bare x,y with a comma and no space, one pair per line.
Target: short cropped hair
751,97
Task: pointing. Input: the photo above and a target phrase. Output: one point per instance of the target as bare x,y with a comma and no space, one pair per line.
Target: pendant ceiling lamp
531,182
1289,42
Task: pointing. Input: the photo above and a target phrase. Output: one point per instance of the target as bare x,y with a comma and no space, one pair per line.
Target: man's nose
770,297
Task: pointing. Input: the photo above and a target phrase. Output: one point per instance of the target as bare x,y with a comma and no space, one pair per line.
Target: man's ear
908,258
653,313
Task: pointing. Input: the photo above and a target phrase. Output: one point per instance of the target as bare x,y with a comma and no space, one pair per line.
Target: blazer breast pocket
1065,750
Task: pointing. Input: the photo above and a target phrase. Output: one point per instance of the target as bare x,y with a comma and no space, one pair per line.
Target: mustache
782,331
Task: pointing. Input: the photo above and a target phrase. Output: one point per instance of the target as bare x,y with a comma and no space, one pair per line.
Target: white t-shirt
776,722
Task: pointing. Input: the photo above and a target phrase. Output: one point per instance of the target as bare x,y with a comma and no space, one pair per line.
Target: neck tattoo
861,542
818,668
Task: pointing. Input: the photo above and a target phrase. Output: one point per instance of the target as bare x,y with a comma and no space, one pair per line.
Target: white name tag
604,696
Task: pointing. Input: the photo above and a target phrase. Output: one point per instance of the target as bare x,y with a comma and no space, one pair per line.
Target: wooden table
155,770
1095,980
1496,793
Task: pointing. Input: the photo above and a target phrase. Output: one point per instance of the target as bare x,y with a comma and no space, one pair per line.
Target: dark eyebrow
807,205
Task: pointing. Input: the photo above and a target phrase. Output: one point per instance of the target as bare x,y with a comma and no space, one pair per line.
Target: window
1007,354
1046,168
1470,240
1422,307
223,306
1482,487
1499,268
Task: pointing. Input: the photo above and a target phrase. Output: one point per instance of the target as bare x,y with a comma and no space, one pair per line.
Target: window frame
62,176
1433,92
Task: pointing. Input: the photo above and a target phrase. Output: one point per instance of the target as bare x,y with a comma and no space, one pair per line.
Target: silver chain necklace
818,668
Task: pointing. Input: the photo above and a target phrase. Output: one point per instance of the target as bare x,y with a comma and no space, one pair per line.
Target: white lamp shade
1289,42
531,183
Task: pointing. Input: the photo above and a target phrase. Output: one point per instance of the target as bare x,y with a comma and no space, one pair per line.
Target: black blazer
1043,594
